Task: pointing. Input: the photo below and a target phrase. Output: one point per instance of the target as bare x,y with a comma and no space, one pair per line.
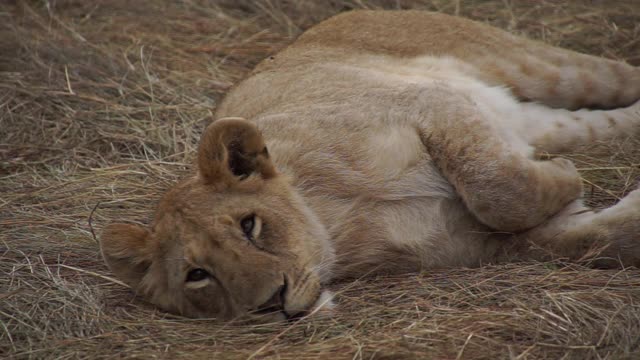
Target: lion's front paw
565,165
565,178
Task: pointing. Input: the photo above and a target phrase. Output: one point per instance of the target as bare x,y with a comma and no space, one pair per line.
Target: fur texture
385,142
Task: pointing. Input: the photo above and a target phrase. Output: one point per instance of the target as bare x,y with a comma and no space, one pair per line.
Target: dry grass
103,101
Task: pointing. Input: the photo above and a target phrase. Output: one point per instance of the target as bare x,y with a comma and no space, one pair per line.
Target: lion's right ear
231,150
125,249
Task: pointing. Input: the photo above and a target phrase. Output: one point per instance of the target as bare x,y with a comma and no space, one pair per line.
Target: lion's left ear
232,149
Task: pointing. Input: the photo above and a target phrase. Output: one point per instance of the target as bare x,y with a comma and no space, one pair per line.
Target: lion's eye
251,226
247,225
197,275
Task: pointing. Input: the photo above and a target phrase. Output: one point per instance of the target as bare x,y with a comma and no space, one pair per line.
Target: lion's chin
324,306
321,308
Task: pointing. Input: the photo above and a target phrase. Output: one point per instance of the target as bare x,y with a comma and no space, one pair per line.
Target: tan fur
385,142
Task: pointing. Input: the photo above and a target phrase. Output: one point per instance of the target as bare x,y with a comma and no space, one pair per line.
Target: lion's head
236,240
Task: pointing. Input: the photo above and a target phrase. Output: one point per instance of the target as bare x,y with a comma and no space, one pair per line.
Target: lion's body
407,140
338,112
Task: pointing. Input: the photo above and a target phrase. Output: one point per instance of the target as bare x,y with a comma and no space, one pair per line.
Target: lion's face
234,241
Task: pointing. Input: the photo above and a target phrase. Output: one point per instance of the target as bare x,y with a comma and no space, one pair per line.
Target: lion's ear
231,150
125,249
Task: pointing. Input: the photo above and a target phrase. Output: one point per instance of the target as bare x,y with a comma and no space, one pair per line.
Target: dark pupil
247,225
197,275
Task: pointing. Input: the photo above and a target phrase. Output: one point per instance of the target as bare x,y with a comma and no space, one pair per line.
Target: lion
384,142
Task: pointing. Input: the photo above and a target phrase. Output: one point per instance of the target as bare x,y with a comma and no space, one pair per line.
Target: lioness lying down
384,142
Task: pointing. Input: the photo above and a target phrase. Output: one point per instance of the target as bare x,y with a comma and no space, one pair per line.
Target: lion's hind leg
532,70
559,130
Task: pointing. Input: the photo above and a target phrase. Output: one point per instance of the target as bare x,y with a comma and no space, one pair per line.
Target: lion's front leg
608,238
498,180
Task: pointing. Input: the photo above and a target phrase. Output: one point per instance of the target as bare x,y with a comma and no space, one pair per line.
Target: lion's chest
388,152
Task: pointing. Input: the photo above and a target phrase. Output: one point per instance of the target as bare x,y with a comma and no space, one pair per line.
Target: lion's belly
441,231
407,235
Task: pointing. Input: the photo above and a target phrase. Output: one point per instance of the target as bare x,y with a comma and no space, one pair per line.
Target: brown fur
378,142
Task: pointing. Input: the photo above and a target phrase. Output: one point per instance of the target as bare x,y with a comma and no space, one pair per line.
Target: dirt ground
102,103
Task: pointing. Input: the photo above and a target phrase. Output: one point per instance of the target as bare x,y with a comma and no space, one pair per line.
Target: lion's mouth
276,302
322,303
